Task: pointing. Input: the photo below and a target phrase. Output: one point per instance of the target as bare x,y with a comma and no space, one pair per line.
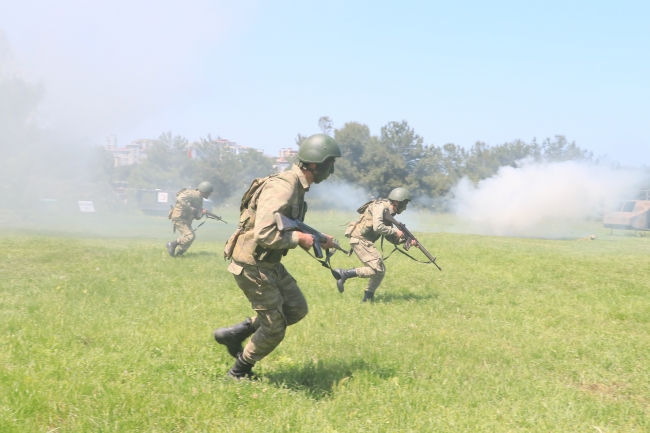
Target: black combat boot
241,369
171,247
342,275
368,296
234,336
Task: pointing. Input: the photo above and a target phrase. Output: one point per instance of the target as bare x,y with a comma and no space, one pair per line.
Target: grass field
100,333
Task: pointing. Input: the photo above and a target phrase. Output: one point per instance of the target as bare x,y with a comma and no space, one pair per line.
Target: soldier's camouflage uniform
188,201
363,233
271,290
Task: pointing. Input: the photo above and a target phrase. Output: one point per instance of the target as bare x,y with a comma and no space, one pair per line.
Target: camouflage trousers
277,300
369,255
187,235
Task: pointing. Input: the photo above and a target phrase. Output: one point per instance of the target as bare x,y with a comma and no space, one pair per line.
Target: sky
258,73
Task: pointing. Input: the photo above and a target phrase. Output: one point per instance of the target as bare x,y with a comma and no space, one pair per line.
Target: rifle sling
400,250
326,262
197,227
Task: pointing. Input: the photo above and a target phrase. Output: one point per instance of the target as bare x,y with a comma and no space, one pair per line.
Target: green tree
326,125
230,173
560,149
167,165
354,139
382,163
299,139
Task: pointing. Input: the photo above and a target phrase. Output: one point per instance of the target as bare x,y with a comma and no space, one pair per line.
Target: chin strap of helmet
322,170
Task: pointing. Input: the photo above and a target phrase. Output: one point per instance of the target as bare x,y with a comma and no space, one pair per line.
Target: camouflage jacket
260,243
371,225
187,203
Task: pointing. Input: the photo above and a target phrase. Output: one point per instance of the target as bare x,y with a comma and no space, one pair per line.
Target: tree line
397,156
169,166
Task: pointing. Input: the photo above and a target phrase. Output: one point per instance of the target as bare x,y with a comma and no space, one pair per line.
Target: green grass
111,334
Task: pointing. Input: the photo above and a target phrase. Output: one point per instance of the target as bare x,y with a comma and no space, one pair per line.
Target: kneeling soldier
189,206
363,233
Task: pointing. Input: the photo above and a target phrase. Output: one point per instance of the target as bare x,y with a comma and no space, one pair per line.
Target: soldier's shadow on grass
320,379
405,297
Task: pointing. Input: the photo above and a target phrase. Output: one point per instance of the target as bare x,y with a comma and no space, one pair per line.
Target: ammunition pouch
353,225
229,248
366,227
230,244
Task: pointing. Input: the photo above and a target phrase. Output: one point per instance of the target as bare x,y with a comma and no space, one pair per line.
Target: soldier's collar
301,176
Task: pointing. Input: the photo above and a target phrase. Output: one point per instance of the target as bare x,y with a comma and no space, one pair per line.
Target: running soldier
257,246
363,234
189,206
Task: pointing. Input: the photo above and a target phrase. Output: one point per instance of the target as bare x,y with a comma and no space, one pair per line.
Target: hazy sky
259,72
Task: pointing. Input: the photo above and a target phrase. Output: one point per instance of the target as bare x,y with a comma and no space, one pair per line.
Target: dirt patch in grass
614,390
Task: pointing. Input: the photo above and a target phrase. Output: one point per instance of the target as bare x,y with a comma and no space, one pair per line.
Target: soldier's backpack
253,191
169,215
361,211
364,206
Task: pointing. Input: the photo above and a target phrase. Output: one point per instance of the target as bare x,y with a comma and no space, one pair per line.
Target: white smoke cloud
337,195
541,199
109,67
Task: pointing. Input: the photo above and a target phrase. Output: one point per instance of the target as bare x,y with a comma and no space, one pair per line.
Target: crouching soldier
257,247
189,206
363,233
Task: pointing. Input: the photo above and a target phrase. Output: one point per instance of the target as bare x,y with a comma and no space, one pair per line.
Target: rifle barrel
408,235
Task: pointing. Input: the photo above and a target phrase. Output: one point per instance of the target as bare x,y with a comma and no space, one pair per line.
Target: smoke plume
541,199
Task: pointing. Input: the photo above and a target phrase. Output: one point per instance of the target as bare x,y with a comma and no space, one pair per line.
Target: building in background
136,151
235,148
284,159
133,153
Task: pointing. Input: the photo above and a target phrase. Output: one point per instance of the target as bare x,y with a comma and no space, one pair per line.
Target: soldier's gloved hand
305,241
414,242
399,234
204,211
329,244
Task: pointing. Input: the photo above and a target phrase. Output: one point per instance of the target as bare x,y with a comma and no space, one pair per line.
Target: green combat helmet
402,195
205,186
319,149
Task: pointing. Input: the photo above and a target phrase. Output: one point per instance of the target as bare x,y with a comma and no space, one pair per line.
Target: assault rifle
198,213
408,237
210,215
286,224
